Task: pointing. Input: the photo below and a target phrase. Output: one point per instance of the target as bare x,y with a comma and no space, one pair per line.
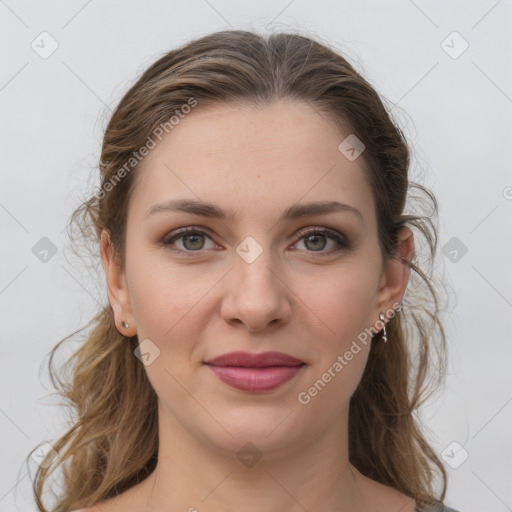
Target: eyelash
342,242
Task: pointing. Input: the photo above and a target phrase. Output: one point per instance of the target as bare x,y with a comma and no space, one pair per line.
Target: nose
256,295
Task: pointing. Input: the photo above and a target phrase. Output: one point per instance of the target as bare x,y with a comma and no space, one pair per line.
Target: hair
105,452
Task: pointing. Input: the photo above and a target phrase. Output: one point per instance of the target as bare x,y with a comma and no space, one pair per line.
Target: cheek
168,304
341,354
170,310
346,302
345,308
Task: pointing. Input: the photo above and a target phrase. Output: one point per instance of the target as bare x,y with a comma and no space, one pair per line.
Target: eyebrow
296,211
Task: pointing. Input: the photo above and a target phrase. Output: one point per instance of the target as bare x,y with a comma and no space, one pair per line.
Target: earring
383,320
125,324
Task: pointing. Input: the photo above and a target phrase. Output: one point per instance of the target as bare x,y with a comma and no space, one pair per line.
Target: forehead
257,160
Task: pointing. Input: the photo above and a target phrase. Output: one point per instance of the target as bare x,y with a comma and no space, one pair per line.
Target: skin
256,162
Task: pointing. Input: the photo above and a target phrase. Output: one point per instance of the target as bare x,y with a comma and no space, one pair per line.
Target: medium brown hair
113,441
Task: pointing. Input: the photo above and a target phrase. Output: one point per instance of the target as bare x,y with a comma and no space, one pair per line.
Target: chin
270,430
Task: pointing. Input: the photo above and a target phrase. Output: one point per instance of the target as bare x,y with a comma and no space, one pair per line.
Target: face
256,280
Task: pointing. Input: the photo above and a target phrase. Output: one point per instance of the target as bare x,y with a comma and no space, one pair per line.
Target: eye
315,240
192,240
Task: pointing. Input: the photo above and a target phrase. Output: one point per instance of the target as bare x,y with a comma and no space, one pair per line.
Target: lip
250,360
255,372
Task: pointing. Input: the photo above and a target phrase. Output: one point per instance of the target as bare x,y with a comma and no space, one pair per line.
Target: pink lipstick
255,372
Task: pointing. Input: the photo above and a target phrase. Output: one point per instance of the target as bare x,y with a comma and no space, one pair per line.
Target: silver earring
125,324
383,320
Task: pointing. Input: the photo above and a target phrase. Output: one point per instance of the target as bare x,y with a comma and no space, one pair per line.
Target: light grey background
455,111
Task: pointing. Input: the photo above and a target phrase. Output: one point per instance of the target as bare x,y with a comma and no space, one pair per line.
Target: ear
395,276
118,295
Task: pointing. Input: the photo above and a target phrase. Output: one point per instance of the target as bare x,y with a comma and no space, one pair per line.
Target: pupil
188,237
316,237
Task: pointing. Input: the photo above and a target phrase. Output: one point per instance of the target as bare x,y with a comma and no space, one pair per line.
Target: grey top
439,507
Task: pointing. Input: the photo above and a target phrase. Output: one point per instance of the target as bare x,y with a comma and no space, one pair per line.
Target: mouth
255,372
256,379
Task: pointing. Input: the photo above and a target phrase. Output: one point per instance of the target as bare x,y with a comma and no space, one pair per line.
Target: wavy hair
105,452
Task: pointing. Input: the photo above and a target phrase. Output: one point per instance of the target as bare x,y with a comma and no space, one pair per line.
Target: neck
193,475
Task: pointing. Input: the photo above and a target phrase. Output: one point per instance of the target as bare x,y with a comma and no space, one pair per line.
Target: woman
257,352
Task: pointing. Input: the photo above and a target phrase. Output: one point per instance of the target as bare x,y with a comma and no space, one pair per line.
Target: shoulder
92,508
120,503
382,497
